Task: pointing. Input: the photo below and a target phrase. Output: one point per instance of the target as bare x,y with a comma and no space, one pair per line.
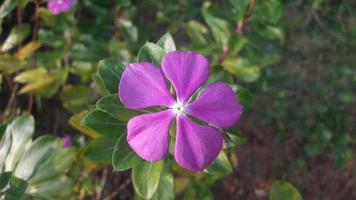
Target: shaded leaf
100,150
284,191
152,53
167,43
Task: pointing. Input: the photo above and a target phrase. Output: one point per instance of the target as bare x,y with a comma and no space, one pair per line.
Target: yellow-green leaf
37,85
31,75
27,50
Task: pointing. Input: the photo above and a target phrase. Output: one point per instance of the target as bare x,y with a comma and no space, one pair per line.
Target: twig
241,24
117,192
102,184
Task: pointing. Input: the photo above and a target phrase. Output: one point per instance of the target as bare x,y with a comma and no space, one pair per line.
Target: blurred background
292,61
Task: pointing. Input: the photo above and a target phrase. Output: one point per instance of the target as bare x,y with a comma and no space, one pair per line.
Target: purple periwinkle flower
67,141
144,85
58,6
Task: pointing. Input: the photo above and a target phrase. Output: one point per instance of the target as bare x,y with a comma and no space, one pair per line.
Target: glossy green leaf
124,157
165,188
20,131
38,152
167,43
145,177
7,6
284,191
104,124
100,150
109,71
112,106
17,35
100,85
152,53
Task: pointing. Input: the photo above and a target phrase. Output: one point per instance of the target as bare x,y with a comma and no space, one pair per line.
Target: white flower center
178,108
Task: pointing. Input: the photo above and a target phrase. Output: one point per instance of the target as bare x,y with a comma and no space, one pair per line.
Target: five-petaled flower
144,85
58,6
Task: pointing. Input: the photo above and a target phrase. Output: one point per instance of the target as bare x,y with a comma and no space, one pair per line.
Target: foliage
33,168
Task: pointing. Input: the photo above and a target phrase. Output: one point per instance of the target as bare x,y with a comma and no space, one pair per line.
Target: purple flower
58,6
144,85
67,141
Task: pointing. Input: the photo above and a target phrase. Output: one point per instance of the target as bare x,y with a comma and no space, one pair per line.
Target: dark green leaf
221,165
124,157
17,188
109,71
104,124
152,53
165,188
4,179
112,106
100,150
243,95
145,177
269,10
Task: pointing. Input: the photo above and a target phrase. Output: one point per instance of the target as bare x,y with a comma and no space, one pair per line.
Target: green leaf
104,124
284,191
10,64
221,165
38,84
4,179
243,95
6,7
27,50
124,157
145,177
59,188
196,31
20,131
109,71
17,188
55,165
218,26
17,35
167,43
240,6
38,152
269,10
112,106
100,150
31,75
242,69
152,53
100,85
165,188
75,98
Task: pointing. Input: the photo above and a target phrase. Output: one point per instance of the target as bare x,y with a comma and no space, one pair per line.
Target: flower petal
196,145
148,134
217,105
143,85
187,71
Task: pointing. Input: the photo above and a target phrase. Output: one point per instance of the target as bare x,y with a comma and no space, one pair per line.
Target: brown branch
241,24
102,184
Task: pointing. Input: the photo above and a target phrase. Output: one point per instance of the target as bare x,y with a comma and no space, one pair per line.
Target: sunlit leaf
27,50
17,35
167,43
